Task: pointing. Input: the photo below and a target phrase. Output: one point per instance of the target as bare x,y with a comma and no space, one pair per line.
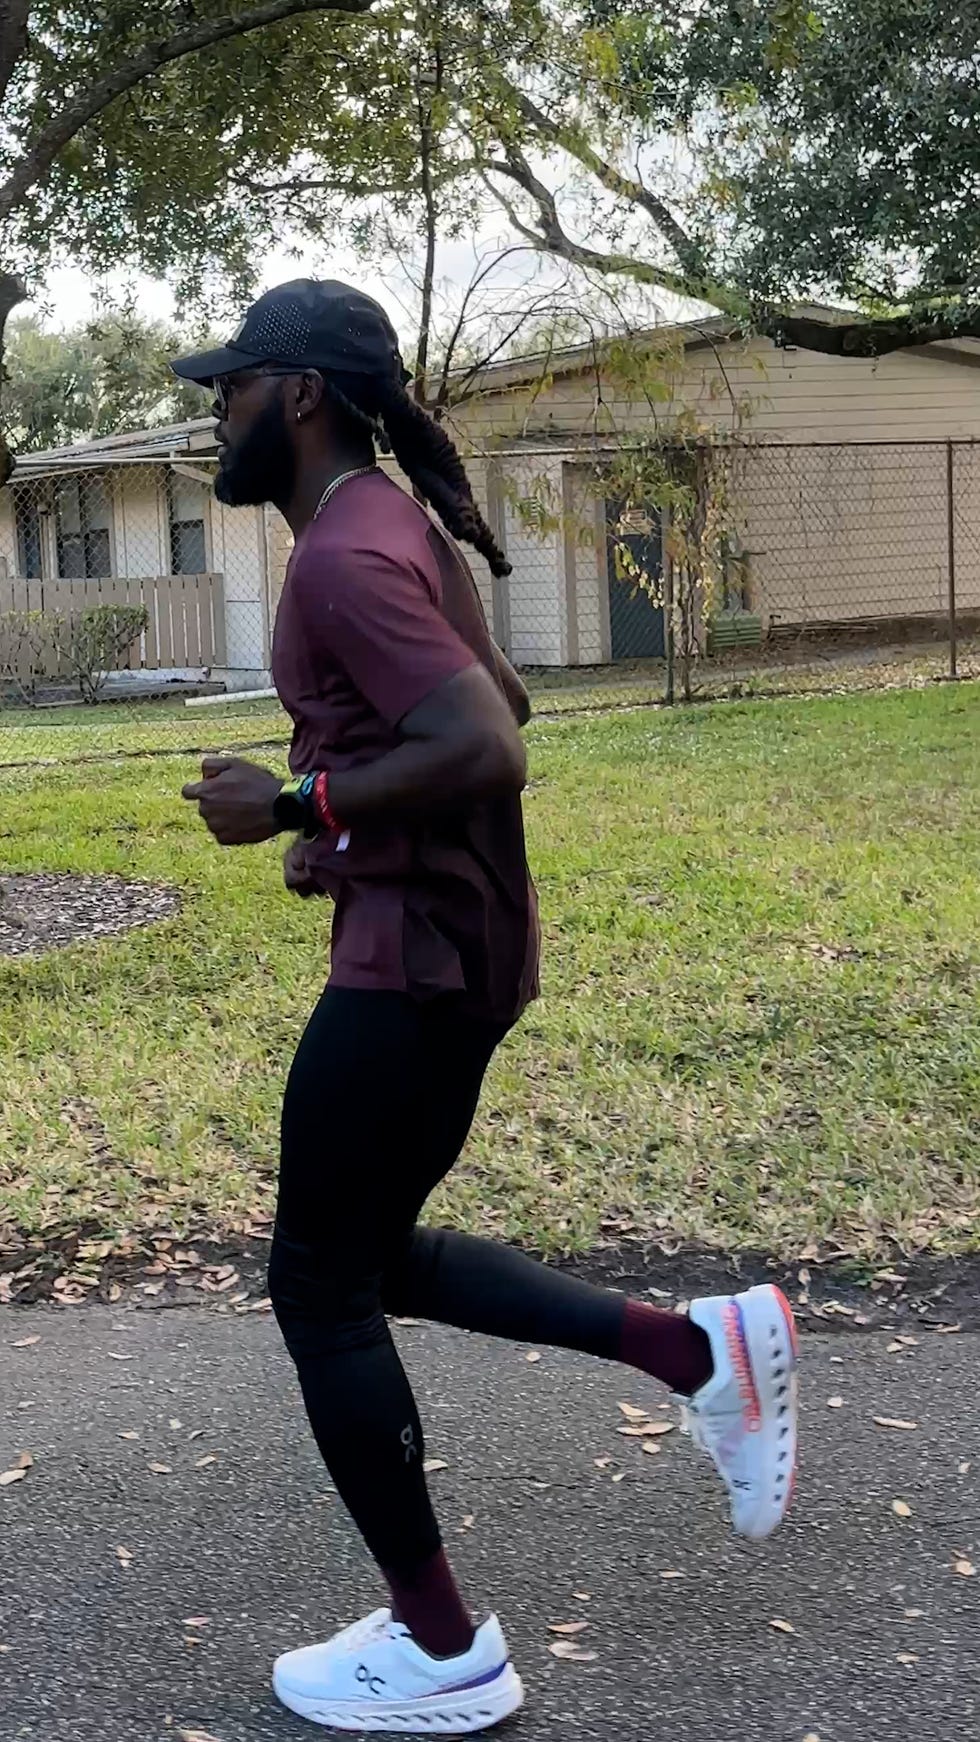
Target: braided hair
379,408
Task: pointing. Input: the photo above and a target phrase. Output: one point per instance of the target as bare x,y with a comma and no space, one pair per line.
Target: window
82,515
188,545
28,520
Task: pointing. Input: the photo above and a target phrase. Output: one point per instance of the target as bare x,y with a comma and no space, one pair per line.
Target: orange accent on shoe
738,1354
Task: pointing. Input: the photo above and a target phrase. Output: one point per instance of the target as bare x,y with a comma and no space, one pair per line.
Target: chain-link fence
136,612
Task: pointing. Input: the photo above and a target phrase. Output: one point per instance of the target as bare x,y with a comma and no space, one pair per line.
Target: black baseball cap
313,323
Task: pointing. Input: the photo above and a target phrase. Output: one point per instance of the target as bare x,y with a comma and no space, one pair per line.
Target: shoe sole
770,1339
441,1715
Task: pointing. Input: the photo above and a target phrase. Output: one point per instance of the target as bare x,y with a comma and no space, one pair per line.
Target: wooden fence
185,614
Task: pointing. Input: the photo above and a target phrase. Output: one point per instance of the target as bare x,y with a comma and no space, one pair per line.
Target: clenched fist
236,800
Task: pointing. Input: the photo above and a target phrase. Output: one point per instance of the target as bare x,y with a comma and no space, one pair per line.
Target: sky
70,294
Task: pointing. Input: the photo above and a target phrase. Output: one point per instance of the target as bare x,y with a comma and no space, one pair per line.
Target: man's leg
733,1356
357,1136
483,1285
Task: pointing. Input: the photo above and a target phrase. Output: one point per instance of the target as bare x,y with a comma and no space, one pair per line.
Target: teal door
635,549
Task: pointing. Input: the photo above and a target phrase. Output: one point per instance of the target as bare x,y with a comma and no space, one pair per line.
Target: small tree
91,643
27,651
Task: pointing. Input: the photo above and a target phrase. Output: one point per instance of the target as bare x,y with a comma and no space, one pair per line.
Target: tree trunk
12,292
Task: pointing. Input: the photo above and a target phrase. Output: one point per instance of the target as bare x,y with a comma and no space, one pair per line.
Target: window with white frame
187,506
83,528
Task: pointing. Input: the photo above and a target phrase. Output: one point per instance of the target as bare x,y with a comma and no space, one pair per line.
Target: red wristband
321,803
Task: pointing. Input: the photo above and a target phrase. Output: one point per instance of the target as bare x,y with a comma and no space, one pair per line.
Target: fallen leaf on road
654,1428
25,1342
174,1424
620,1476
3,1650
197,1621
469,1521
906,1657
432,1464
901,1509
835,1403
114,1355
650,1446
18,1471
408,1322
582,1596
161,1469
196,1736
130,1434
962,1468
811,1736
894,1348
783,1626
889,1421
966,1569
947,1330
533,1356
602,1463
567,1648
642,1430
567,1626
632,1413
672,1573
202,1463
913,1614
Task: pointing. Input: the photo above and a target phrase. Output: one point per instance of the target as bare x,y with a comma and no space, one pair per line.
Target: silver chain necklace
345,478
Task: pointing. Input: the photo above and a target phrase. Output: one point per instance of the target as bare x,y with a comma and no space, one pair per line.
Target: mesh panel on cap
282,328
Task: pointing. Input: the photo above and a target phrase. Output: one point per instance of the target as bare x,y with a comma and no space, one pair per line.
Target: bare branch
83,108
633,190
871,338
550,236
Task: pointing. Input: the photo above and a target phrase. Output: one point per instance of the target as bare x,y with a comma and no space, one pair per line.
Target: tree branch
623,187
552,238
869,338
79,110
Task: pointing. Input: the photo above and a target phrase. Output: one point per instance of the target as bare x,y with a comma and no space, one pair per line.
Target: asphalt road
102,1646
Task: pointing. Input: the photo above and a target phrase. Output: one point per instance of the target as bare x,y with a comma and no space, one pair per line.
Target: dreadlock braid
381,409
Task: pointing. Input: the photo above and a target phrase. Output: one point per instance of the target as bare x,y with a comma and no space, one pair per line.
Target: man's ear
307,393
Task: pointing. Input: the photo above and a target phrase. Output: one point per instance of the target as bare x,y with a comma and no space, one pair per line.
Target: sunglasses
225,386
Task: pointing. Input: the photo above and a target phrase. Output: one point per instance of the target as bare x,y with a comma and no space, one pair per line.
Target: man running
406,804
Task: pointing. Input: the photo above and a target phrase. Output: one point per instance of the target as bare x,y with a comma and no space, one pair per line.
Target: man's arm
459,745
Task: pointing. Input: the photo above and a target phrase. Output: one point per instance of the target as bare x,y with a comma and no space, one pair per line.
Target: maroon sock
428,1603
668,1346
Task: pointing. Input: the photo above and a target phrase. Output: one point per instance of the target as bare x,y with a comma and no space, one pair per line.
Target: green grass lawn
760,1024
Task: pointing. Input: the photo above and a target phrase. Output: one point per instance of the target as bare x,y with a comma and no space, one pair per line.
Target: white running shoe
745,1414
373,1678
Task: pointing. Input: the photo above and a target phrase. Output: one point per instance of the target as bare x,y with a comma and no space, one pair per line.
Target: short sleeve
376,618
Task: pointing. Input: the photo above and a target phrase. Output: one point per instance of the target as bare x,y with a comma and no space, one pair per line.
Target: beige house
854,486
852,483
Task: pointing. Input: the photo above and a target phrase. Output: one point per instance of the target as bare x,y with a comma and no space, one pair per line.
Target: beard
261,467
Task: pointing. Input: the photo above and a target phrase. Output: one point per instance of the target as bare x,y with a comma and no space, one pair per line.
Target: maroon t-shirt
378,609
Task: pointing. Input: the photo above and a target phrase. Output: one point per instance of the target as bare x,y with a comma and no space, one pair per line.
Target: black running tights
378,1106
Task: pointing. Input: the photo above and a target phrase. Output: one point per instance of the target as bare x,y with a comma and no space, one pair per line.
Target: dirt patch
48,912
829,1294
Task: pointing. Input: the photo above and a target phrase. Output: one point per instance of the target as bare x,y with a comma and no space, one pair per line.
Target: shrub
91,643
28,651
